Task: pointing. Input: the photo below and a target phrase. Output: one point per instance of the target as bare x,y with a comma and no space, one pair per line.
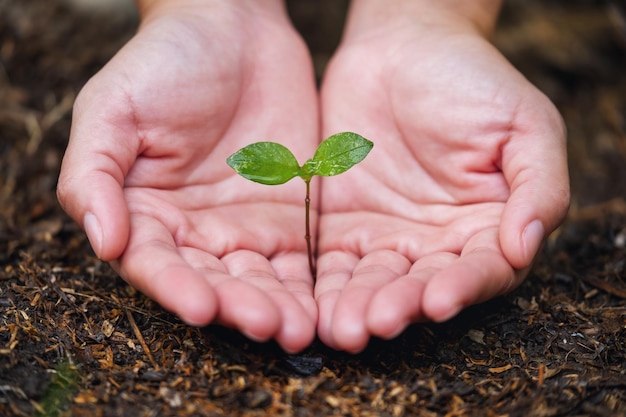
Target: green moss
60,391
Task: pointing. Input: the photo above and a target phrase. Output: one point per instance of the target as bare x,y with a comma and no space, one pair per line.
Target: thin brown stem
307,236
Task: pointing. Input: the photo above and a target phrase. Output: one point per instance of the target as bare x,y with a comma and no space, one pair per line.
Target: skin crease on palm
467,154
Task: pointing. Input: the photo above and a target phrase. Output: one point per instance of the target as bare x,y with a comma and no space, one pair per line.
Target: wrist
265,8
372,15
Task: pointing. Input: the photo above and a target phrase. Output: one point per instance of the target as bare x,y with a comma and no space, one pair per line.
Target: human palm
440,215
148,147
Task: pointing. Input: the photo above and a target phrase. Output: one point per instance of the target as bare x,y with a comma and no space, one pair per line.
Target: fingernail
94,232
531,239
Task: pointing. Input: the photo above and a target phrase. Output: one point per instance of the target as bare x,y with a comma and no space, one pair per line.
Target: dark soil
76,340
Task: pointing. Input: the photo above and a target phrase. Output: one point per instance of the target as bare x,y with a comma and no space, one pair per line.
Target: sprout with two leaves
271,163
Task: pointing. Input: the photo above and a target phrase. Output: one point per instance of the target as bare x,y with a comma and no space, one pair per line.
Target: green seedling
271,163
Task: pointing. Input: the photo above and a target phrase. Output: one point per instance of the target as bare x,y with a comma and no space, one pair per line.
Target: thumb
91,180
535,166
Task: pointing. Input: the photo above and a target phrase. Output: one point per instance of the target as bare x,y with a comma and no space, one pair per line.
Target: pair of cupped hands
467,176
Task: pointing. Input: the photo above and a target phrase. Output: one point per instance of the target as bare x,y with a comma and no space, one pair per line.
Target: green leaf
265,162
339,153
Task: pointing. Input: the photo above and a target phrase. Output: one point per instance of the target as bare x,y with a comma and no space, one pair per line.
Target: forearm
481,15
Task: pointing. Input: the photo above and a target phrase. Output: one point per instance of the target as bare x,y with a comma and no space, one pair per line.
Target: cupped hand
145,170
467,177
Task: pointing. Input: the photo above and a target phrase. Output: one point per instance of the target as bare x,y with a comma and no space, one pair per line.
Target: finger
299,321
99,154
245,300
154,266
334,270
246,308
241,305
285,284
399,303
349,329
480,273
535,166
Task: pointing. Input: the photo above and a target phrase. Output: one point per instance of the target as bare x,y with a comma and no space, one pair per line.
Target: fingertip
107,224
248,309
442,307
326,304
348,329
441,301
183,292
340,330
386,327
295,338
298,330
476,277
199,308
387,315
350,334
96,201
197,303
521,243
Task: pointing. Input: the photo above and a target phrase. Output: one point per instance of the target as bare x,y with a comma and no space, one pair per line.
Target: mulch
76,340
